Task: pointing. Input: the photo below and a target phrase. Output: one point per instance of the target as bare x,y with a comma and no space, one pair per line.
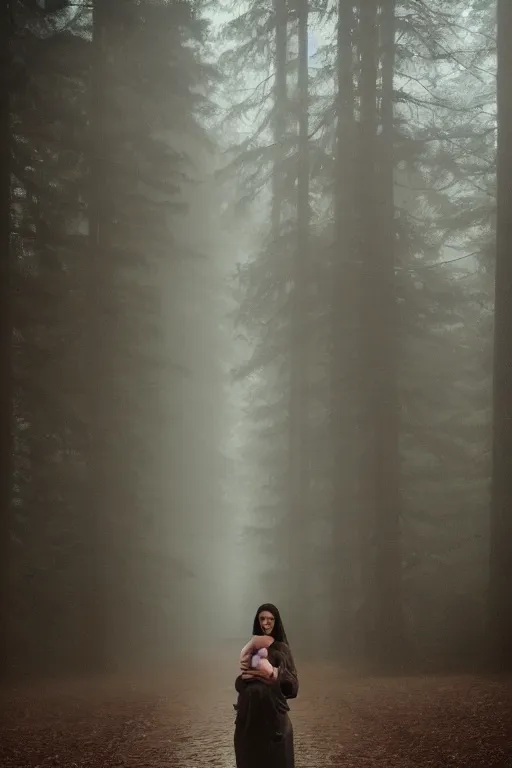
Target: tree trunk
368,377
5,330
95,512
298,459
388,573
381,554
280,111
500,615
343,386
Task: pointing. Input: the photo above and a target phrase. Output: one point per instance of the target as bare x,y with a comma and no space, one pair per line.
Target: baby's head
262,653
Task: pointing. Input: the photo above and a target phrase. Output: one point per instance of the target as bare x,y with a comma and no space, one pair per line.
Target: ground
184,719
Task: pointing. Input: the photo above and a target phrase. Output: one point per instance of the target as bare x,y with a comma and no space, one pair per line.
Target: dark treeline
378,352
368,309
95,99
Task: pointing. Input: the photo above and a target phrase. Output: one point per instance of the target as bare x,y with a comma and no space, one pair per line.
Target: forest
256,331
377,376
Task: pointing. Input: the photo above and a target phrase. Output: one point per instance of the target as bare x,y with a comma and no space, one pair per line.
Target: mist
257,347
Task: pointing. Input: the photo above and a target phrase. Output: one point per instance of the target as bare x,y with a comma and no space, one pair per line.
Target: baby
255,653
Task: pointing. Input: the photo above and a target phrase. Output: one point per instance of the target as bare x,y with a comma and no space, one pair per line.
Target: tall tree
501,515
99,503
155,87
388,573
369,303
280,109
36,41
343,402
380,338
267,164
93,145
298,489
5,317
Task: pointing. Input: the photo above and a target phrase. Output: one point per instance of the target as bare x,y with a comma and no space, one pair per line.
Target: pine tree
299,512
501,528
267,165
342,435
142,174
5,323
43,203
88,359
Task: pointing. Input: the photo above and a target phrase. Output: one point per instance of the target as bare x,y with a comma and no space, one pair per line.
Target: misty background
248,332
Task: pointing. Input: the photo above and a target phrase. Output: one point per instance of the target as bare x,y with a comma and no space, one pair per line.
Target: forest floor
185,720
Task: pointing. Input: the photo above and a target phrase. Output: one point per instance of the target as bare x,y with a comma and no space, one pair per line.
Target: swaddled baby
256,653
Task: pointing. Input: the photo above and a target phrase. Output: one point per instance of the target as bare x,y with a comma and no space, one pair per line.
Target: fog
257,347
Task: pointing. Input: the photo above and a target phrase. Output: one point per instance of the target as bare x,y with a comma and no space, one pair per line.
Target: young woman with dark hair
263,730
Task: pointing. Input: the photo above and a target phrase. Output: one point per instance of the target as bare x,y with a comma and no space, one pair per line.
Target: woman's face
267,622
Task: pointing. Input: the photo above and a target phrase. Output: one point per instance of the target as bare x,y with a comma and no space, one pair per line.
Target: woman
263,730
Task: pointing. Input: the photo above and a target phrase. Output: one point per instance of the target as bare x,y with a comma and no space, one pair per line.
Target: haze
256,346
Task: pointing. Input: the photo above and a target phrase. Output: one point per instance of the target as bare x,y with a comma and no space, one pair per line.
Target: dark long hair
278,632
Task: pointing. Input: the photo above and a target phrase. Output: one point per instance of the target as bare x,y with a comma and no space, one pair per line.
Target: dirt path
185,720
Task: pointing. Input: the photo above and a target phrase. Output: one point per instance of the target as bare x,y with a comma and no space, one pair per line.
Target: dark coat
263,730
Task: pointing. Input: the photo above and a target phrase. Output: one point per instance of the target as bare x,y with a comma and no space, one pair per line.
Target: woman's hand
258,674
